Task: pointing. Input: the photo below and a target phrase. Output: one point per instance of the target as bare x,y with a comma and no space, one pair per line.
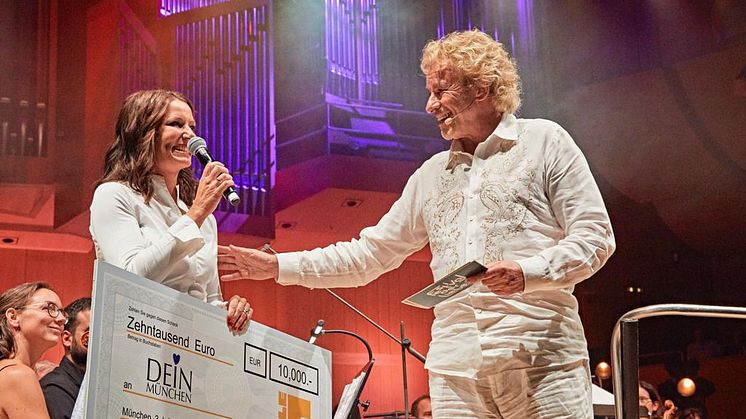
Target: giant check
157,353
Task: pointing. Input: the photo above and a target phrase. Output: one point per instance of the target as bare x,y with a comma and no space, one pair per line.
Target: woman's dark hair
131,157
15,297
692,413
654,397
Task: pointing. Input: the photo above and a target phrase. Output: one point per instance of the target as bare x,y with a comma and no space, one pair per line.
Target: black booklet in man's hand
445,288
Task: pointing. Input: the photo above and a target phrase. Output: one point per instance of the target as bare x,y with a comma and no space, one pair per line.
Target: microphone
316,331
197,146
449,121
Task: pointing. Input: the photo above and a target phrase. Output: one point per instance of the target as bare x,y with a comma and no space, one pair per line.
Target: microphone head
233,198
195,143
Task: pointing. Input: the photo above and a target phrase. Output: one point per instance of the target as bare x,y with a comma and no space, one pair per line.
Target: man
514,194
421,408
61,386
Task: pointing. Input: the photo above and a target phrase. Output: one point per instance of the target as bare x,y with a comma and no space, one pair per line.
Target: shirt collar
71,369
507,130
161,193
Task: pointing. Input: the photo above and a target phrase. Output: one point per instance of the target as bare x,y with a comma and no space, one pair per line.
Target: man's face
77,339
424,409
450,102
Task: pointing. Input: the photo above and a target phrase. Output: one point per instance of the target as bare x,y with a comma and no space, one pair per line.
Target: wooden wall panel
53,258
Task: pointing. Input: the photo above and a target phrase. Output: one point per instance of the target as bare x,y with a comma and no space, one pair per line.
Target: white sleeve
116,231
580,212
212,288
381,248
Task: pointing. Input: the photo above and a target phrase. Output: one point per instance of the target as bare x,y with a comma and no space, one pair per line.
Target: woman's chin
53,335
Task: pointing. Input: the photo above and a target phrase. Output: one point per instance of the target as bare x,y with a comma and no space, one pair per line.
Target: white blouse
156,241
526,195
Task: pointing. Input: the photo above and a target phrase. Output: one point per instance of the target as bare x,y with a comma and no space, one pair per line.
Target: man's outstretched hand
243,263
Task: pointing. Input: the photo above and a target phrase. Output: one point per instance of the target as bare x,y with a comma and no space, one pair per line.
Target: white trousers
554,392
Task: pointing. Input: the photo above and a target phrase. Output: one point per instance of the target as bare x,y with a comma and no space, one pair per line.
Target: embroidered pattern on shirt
505,193
442,210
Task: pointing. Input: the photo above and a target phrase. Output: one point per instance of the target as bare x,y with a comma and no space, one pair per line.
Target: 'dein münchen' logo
169,380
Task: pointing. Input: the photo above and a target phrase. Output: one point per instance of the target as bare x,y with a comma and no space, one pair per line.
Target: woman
31,321
149,216
650,400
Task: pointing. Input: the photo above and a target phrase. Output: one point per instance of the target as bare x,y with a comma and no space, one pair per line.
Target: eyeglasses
51,308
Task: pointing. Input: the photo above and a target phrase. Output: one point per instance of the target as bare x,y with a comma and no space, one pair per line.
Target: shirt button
479,311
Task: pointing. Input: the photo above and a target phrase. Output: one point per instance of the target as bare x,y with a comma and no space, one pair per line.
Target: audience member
650,400
656,407
421,408
31,321
692,413
62,385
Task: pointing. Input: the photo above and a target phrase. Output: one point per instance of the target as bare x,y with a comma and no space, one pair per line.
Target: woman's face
172,155
646,402
35,322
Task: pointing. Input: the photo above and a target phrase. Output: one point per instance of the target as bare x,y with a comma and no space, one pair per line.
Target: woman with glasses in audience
31,321
652,402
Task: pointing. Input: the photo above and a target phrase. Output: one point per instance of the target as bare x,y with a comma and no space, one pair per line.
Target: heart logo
177,358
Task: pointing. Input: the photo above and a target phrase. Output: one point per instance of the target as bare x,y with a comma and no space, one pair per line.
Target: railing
624,347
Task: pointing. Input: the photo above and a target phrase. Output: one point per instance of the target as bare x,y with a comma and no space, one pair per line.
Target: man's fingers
231,277
227,260
227,266
475,278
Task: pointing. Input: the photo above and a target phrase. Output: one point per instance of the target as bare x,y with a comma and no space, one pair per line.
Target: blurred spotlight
603,370
686,387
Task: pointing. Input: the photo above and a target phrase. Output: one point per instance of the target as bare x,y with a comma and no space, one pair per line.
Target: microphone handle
230,193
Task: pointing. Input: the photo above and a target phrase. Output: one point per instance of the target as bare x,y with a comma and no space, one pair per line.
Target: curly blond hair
480,62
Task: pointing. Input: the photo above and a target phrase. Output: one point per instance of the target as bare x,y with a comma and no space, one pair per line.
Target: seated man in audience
61,386
421,408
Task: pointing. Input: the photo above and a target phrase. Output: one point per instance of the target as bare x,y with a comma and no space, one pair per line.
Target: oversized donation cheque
157,353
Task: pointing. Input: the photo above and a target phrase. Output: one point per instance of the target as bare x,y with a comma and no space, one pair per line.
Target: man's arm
580,211
381,248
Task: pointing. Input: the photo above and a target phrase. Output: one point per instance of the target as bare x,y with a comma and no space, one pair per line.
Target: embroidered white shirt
156,241
526,195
